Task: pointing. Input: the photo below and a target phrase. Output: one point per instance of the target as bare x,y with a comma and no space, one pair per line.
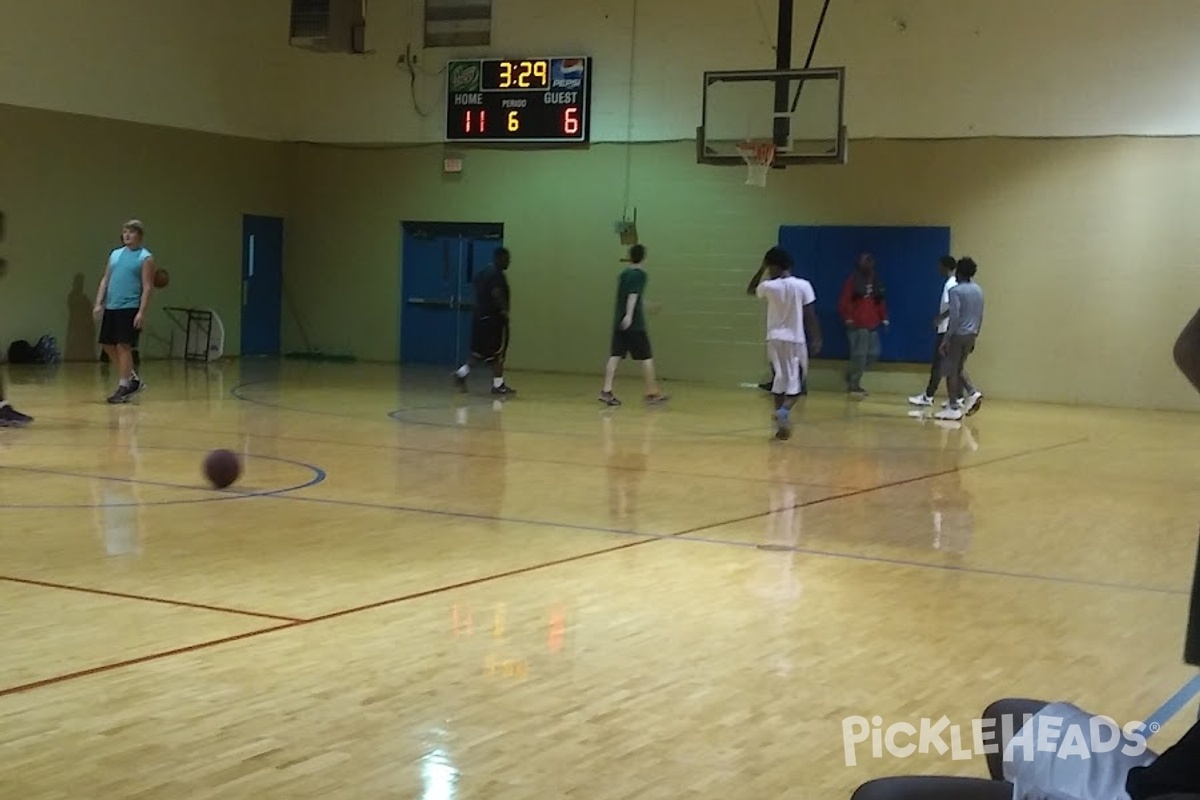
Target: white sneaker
920,400
971,404
951,412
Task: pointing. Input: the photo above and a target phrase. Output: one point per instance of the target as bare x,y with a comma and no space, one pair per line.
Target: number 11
471,120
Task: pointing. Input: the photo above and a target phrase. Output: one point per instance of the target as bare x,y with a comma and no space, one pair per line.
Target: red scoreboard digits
530,100
475,121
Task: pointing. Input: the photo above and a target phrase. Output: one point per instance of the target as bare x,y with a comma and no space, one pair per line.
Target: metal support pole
812,49
783,60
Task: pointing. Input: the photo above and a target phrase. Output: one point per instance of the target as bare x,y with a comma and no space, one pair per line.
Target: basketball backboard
800,110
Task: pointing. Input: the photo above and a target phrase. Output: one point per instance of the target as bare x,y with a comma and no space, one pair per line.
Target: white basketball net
758,157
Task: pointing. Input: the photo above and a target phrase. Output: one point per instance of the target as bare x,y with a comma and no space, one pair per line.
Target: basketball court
417,593
413,592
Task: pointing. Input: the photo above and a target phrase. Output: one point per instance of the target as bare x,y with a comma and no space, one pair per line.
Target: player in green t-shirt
629,330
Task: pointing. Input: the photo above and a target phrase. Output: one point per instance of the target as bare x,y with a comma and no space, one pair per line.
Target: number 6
514,122
571,121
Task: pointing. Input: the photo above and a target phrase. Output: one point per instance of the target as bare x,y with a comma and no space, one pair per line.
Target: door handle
426,301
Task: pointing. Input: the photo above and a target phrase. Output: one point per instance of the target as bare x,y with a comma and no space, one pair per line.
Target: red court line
475,581
880,487
145,598
83,673
492,577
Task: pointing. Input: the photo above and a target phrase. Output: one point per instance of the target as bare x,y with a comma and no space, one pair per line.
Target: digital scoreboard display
519,100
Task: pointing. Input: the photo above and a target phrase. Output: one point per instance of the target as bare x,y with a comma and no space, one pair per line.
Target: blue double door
438,265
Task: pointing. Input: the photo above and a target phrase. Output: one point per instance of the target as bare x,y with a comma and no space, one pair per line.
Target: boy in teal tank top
121,303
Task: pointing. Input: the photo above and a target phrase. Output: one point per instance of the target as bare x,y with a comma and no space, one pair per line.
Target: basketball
161,278
222,468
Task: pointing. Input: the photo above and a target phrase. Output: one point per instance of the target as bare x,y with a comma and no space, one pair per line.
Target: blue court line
319,476
439,512
1172,707
852,493
686,537
238,393
998,573
231,493
479,402
396,415
455,454
683,537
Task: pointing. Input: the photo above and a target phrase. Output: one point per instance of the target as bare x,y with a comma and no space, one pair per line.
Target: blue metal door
262,285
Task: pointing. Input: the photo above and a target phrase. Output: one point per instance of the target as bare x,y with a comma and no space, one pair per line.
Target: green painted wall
1083,247
1086,247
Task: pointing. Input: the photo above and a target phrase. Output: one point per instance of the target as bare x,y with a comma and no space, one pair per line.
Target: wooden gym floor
412,594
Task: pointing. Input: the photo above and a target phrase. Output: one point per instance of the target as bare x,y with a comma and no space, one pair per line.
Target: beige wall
68,182
219,66
916,68
1086,252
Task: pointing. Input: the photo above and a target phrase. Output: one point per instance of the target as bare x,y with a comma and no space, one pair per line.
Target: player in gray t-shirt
964,324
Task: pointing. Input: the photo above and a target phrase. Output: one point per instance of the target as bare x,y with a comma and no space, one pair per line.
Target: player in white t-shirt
792,330
947,266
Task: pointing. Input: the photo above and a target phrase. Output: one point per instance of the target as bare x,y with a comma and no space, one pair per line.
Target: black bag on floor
21,352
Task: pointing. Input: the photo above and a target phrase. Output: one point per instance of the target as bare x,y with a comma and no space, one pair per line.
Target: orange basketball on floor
222,468
161,278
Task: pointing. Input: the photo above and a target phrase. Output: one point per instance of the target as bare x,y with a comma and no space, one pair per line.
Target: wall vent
328,26
458,23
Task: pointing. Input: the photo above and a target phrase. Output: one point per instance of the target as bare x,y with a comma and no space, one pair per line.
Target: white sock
123,383
497,382
3,404
463,371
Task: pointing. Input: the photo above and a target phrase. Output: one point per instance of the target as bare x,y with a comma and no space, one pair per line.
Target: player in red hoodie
863,306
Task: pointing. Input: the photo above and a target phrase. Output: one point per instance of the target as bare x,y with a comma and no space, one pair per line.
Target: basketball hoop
758,157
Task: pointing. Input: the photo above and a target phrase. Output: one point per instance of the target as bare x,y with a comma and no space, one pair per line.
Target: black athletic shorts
116,327
489,337
635,344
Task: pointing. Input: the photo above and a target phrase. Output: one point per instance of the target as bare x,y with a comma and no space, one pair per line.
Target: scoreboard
519,100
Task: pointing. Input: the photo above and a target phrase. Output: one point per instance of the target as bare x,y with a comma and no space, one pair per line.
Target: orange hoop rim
760,152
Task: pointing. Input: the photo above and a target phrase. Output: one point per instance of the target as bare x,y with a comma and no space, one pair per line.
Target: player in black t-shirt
489,323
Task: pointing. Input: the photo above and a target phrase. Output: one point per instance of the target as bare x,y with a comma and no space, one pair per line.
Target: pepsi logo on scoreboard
519,100
567,73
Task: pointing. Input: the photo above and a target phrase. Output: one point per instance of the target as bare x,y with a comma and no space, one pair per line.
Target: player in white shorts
792,330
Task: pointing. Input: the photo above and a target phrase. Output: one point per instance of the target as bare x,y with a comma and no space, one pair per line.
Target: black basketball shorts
635,344
489,338
116,326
